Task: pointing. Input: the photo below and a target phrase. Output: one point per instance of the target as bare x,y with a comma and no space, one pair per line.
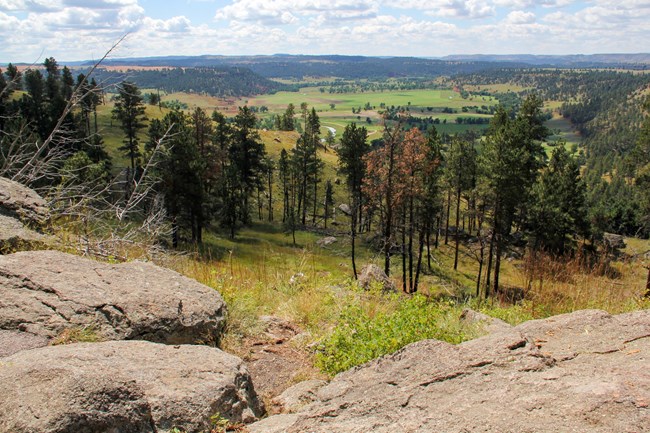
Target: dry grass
555,286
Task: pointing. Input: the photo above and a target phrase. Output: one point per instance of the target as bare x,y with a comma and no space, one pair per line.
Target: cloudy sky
84,29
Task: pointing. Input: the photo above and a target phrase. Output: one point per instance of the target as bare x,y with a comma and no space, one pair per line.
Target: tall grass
262,273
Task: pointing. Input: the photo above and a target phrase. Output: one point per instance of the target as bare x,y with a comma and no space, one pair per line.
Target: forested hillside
346,67
606,107
215,81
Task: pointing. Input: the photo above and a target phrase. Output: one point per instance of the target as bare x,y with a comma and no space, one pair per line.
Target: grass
562,129
365,331
86,334
262,273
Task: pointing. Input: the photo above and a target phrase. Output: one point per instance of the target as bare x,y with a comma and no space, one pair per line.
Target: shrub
361,336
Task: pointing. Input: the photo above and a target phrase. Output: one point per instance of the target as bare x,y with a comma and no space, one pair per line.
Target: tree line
410,184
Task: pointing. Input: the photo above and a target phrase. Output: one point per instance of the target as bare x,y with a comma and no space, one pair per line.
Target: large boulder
326,241
614,241
46,292
23,217
23,203
483,322
371,275
123,386
345,208
586,371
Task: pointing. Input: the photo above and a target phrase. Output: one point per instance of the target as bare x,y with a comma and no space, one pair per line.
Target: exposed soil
276,359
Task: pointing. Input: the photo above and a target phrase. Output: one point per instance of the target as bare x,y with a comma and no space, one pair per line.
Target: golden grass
555,286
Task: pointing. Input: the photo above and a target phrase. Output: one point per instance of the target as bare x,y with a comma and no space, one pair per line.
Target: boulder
297,396
372,274
23,204
23,217
345,209
614,241
486,323
46,292
16,236
585,371
326,241
14,341
123,386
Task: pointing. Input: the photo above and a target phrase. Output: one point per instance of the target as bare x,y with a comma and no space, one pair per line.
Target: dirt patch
277,358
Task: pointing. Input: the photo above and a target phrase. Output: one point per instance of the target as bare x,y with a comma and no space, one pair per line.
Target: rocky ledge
44,293
123,386
584,372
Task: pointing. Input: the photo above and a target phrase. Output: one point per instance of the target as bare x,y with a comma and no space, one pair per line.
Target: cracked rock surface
586,372
23,216
42,293
123,386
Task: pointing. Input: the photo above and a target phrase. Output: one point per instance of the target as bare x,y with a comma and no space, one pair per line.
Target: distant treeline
222,82
346,67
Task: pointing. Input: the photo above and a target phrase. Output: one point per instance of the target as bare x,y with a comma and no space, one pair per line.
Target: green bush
360,336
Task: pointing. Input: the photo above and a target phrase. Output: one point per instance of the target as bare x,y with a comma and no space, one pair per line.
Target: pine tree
129,111
351,164
557,207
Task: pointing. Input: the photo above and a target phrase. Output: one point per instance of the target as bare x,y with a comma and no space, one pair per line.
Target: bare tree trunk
411,228
457,228
354,263
428,223
270,183
489,266
480,260
448,212
419,264
313,218
497,263
438,222
404,283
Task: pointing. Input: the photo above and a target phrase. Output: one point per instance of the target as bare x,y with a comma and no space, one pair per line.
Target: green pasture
562,129
346,101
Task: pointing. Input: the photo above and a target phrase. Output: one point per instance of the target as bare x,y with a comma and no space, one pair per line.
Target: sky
69,30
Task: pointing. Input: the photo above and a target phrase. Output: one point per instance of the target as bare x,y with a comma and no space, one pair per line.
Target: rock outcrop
372,274
44,293
613,241
123,386
586,371
483,321
326,241
23,217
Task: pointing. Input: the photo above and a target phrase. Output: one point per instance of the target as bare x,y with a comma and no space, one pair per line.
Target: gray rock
326,241
47,292
345,209
483,321
23,216
297,396
585,371
16,236
14,341
372,274
22,203
614,241
123,386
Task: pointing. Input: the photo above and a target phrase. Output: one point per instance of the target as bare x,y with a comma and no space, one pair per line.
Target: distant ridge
289,66
556,60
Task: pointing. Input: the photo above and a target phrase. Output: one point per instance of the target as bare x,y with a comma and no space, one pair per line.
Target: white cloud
520,17
526,4
473,9
78,29
290,11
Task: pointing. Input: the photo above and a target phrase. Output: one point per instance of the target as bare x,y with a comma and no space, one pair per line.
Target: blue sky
84,29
